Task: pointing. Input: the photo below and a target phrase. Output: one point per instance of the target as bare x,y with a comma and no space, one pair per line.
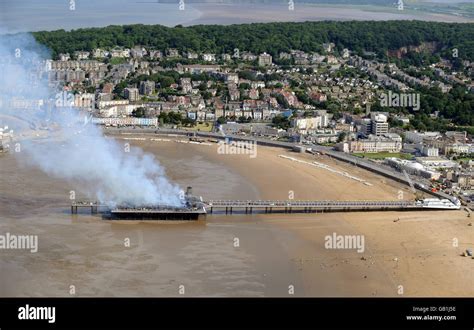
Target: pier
292,206
94,206
258,206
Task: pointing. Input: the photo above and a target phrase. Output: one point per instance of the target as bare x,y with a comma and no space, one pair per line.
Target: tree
280,121
242,119
221,120
138,113
341,137
360,36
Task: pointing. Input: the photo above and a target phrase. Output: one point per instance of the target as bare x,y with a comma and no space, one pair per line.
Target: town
352,104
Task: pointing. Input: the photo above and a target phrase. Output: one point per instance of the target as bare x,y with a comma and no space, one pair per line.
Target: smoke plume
62,141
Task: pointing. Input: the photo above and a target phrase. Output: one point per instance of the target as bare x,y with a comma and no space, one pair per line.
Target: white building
310,125
105,104
417,137
436,162
379,125
264,59
373,144
118,110
412,167
429,151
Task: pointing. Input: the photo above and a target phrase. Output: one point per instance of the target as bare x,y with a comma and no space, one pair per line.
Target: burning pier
157,213
193,209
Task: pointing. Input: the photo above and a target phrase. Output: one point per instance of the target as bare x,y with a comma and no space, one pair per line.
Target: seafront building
390,143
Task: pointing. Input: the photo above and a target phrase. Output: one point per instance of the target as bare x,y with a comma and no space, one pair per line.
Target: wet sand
275,251
258,13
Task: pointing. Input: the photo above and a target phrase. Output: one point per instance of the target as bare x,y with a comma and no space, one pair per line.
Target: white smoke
74,150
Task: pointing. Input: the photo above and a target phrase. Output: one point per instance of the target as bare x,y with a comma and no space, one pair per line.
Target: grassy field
464,159
383,155
200,127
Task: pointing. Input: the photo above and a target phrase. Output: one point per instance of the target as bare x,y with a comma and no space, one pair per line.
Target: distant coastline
226,14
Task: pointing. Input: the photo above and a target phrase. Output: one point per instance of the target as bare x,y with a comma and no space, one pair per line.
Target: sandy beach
413,250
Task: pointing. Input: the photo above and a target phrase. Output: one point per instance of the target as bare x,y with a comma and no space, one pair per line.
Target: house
138,52
253,94
155,54
226,57
200,68
328,47
186,85
192,55
234,93
318,97
81,55
172,52
147,87
100,53
264,59
209,57
108,88
120,52
232,78
247,56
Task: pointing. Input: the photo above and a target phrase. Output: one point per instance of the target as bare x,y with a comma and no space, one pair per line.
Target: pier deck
292,206
256,206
